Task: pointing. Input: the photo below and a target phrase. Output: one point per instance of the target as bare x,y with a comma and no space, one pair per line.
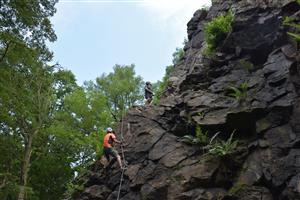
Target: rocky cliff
265,118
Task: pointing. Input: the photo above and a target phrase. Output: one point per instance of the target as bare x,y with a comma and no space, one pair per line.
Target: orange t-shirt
108,139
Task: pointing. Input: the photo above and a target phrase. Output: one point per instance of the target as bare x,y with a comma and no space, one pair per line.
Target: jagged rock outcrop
266,163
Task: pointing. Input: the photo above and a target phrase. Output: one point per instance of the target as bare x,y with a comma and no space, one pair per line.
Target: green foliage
28,99
162,85
71,121
239,93
122,88
240,187
216,31
295,36
10,189
247,65
222,148
178,55
24,29
200,138
289,21
47,121
73,190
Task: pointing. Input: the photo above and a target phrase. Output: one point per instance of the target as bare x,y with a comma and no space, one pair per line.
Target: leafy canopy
122,88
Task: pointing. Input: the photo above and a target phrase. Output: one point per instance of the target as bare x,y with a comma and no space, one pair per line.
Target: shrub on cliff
216,31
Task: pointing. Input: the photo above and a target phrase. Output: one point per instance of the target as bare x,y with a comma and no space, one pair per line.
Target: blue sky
94,35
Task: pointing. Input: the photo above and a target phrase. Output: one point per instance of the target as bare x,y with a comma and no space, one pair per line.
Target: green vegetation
178,55
213,145
240,92
200,138
289,21
50,127
217,30
239,187
73,190
122,88
61,123
160,87
222,148
247,65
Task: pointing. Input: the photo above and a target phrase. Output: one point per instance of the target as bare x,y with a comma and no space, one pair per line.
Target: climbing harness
122,149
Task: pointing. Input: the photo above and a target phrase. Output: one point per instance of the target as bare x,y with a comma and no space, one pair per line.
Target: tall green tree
26,90
122,88
69,143
30,98
26,98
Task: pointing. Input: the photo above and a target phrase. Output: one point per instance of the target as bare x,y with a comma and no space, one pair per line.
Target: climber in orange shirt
108,146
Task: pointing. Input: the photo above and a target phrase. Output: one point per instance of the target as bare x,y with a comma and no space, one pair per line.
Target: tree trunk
25,167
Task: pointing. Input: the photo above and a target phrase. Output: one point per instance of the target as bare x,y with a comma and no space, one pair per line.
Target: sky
94,35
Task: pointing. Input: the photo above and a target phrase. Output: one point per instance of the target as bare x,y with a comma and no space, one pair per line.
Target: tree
26,90
178,55
25,27
26,98
122,88
69,144
29,99
161,86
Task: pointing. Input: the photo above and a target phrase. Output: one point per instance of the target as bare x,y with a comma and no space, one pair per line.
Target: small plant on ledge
201,137
240,92
291,22
247,65
222,148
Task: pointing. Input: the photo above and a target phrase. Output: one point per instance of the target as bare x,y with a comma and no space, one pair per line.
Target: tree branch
5,51
3,184
114,116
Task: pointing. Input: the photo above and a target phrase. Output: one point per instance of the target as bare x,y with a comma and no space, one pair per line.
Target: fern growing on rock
222,148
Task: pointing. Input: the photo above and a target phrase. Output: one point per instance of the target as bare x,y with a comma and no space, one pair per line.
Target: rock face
266,163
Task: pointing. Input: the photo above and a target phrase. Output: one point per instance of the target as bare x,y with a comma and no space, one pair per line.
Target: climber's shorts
110,151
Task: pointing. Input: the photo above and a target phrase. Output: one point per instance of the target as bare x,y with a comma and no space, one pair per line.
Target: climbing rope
122,150
120,186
